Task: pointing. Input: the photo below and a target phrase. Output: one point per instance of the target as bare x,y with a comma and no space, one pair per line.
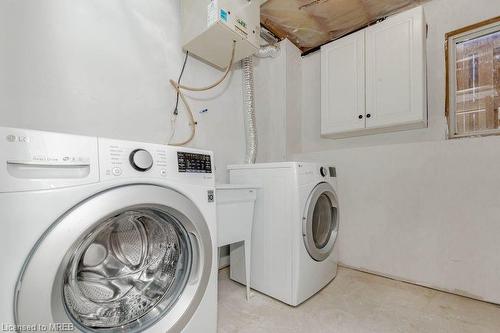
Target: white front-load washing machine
295,229
102,235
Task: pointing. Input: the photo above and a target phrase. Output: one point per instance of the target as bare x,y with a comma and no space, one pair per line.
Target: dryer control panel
313,172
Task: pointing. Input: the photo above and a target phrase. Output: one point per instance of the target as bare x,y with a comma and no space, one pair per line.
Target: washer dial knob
323,171
141,160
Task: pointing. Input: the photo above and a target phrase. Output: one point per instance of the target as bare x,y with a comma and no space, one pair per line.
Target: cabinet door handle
360,116
368,115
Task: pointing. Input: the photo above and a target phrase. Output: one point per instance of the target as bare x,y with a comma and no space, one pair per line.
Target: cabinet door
343,85
395,71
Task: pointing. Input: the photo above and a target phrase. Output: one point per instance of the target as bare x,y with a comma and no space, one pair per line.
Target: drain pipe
249,100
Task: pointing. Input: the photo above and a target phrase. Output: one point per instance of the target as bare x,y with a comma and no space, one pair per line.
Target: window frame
452,38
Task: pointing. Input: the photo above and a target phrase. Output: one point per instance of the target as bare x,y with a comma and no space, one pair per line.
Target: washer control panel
322,171
141,160
194,162
126,159
332,171
130,159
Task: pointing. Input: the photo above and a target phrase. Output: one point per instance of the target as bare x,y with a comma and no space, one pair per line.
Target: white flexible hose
249,105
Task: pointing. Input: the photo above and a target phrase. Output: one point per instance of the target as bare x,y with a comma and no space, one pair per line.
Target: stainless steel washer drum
126,267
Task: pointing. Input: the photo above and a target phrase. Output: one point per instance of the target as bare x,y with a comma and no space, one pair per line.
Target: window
473,79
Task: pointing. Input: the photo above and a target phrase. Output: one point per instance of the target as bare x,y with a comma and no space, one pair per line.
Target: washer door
124,260
320,222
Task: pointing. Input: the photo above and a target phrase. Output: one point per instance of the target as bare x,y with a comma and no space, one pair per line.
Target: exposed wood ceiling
312,23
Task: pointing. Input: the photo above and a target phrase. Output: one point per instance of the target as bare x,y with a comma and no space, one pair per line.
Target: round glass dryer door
321,222
126,259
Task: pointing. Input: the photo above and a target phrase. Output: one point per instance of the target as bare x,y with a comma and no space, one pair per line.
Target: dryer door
320,222
127,259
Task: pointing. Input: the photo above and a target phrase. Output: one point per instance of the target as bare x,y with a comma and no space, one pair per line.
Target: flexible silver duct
269,51
249,100
249,105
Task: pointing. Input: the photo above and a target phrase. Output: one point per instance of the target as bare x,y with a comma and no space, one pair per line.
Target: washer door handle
196,264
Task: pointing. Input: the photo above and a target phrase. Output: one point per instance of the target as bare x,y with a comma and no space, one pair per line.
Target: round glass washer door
131,264
127,259
320,222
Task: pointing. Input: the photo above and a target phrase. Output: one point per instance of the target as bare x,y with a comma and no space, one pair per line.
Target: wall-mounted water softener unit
209,28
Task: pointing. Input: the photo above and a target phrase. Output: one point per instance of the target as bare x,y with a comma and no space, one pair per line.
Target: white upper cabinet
375,80
395,71
343,84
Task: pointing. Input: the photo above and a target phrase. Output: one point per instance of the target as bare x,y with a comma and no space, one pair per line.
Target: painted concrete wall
293,81
414,206
102,68
270,94
278,86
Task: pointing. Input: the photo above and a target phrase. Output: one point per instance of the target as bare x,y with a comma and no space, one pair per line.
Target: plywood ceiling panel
312,23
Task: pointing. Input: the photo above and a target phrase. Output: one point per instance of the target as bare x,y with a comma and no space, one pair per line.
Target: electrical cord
192,121
173,119
178,87
176,109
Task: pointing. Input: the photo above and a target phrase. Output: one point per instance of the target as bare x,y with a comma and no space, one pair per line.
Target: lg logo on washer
15,138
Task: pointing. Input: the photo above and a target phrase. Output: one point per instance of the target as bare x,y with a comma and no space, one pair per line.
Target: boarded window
474,80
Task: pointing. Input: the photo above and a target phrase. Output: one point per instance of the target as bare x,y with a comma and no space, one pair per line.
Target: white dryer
295,229
102,235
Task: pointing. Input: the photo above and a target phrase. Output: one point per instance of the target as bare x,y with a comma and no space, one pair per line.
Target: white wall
102,68
278,85
270,94
413,206
293,81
